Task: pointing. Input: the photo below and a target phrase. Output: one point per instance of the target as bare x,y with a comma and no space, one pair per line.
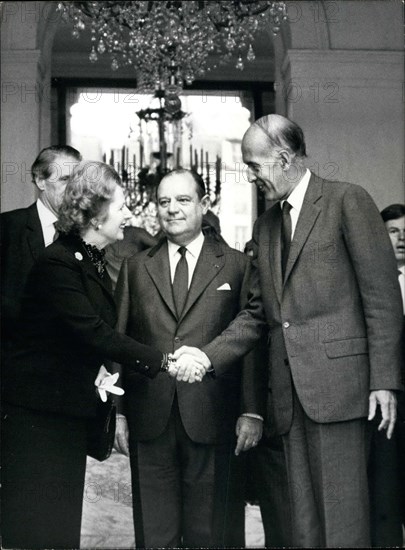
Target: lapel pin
78,256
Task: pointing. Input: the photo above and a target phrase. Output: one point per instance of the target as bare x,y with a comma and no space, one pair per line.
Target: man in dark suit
27,231
137,239
386,468
324,281
185,290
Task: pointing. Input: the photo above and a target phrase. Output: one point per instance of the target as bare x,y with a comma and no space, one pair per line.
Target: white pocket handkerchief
225,286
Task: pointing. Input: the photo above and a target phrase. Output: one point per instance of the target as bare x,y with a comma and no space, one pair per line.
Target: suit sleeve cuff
253,415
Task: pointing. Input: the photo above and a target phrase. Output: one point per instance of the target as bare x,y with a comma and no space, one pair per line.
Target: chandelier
170,42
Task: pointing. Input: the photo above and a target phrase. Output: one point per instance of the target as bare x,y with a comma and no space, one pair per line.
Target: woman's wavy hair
88,193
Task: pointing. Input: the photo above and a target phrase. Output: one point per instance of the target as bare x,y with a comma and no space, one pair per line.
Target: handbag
101,431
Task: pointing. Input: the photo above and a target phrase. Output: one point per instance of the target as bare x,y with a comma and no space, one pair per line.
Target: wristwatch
164,365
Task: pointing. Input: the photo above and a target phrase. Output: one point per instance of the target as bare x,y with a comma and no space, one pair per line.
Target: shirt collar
46,217
296,198
194,247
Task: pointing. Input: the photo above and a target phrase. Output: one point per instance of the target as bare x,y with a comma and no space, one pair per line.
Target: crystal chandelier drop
169,42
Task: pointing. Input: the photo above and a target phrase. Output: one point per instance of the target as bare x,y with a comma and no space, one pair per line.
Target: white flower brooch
78,256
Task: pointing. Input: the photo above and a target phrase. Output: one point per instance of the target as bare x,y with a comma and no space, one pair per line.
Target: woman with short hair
65,334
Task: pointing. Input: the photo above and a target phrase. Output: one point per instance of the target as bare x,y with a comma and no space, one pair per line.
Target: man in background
135,240
27,231
394,219
386,468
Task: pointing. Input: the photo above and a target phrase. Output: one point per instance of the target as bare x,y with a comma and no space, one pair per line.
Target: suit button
286,324
177,339
146,367
286,362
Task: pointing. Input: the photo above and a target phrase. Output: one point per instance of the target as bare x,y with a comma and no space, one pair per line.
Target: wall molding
352,68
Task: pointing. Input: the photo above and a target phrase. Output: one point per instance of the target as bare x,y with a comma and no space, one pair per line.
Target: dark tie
180,282
56,234
286,230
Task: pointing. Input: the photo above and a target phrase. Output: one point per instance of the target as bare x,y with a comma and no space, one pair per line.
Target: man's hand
249,432
187,369
388,404
121,435
172,367
192,364
196,353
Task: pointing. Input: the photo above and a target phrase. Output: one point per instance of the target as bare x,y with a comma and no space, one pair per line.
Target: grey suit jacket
146,312
335,321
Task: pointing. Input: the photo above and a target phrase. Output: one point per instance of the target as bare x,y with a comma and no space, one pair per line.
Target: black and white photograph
202,274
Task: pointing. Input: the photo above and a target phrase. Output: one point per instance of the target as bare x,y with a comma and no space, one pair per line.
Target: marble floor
107,512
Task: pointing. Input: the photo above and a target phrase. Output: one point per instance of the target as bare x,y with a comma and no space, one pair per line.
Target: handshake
188,364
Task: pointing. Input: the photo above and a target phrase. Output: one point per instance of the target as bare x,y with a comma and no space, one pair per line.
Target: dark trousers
327,474
386,486
401,449
185,494
43,470
267,472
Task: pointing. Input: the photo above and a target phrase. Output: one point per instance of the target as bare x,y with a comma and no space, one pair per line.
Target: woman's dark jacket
65,333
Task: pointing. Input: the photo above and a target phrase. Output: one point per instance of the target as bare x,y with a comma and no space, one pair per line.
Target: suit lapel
209,264
308,215
158,267
35,236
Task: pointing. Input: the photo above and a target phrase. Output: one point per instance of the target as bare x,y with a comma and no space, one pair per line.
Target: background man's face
180,210
53,188
396,232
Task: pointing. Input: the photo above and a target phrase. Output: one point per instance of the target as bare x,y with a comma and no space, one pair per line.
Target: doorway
103,123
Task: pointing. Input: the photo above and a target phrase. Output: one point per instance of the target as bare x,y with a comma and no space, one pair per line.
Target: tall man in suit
185,290
324,281
27,231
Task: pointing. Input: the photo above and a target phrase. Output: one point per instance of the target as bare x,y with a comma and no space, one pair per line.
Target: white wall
340,77
349,104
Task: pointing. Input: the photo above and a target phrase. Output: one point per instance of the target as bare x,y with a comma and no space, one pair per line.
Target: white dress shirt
296,200
192,255
47,219
401,279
